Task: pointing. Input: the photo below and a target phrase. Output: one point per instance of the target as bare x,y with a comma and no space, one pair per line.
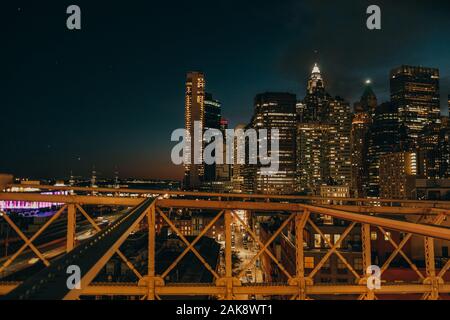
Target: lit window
309,262
387,236
328,242
373,235
358,263
327,219
317,240
341,265
336,239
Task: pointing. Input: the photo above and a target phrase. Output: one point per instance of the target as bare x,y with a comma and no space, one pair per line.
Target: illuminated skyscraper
359,144
223,171
276,110
312,151
238,168
361,122
194,112
368,102
415,90
434,151
213,112
396,171
212,109
323,138
315,103
384,137
339,148
444,147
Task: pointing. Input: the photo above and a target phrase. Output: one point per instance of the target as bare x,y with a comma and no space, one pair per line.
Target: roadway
50,283
55,247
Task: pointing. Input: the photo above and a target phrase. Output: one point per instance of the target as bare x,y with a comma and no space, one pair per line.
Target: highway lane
56,247
51,282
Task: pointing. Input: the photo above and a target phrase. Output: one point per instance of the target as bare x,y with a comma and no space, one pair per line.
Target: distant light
368,81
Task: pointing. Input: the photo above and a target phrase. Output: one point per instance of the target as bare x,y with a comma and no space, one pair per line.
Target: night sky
110,94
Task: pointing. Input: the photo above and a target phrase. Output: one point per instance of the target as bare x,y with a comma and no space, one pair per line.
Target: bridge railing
299,282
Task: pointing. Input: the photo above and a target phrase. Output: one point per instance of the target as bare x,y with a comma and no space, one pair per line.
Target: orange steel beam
71,225
300,223
90,275
183,238
192,244
385,210
119,253
281,289
425,230
25,239
68,199
437,221
333,249
420,229
151,243
282,206
264,248
398,249
34,237
109,289
430,203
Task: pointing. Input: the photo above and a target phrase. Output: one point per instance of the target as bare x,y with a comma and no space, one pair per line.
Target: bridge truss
296,212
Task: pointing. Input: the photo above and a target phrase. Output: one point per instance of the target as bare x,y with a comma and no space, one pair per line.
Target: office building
276,110
396,171
384,137
194,112
312,156
359,145
212,116
339,148
415,90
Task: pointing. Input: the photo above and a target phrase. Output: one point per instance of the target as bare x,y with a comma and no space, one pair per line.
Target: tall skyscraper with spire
368,102
323,137
315,103
315,82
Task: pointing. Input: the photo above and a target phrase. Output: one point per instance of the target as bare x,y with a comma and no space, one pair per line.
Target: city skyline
203,152
114,124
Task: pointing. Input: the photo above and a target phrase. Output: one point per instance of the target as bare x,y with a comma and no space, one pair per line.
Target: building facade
312,159
384,137
339,148
194,112
396,171
212,116
359,145
415,90
276,110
